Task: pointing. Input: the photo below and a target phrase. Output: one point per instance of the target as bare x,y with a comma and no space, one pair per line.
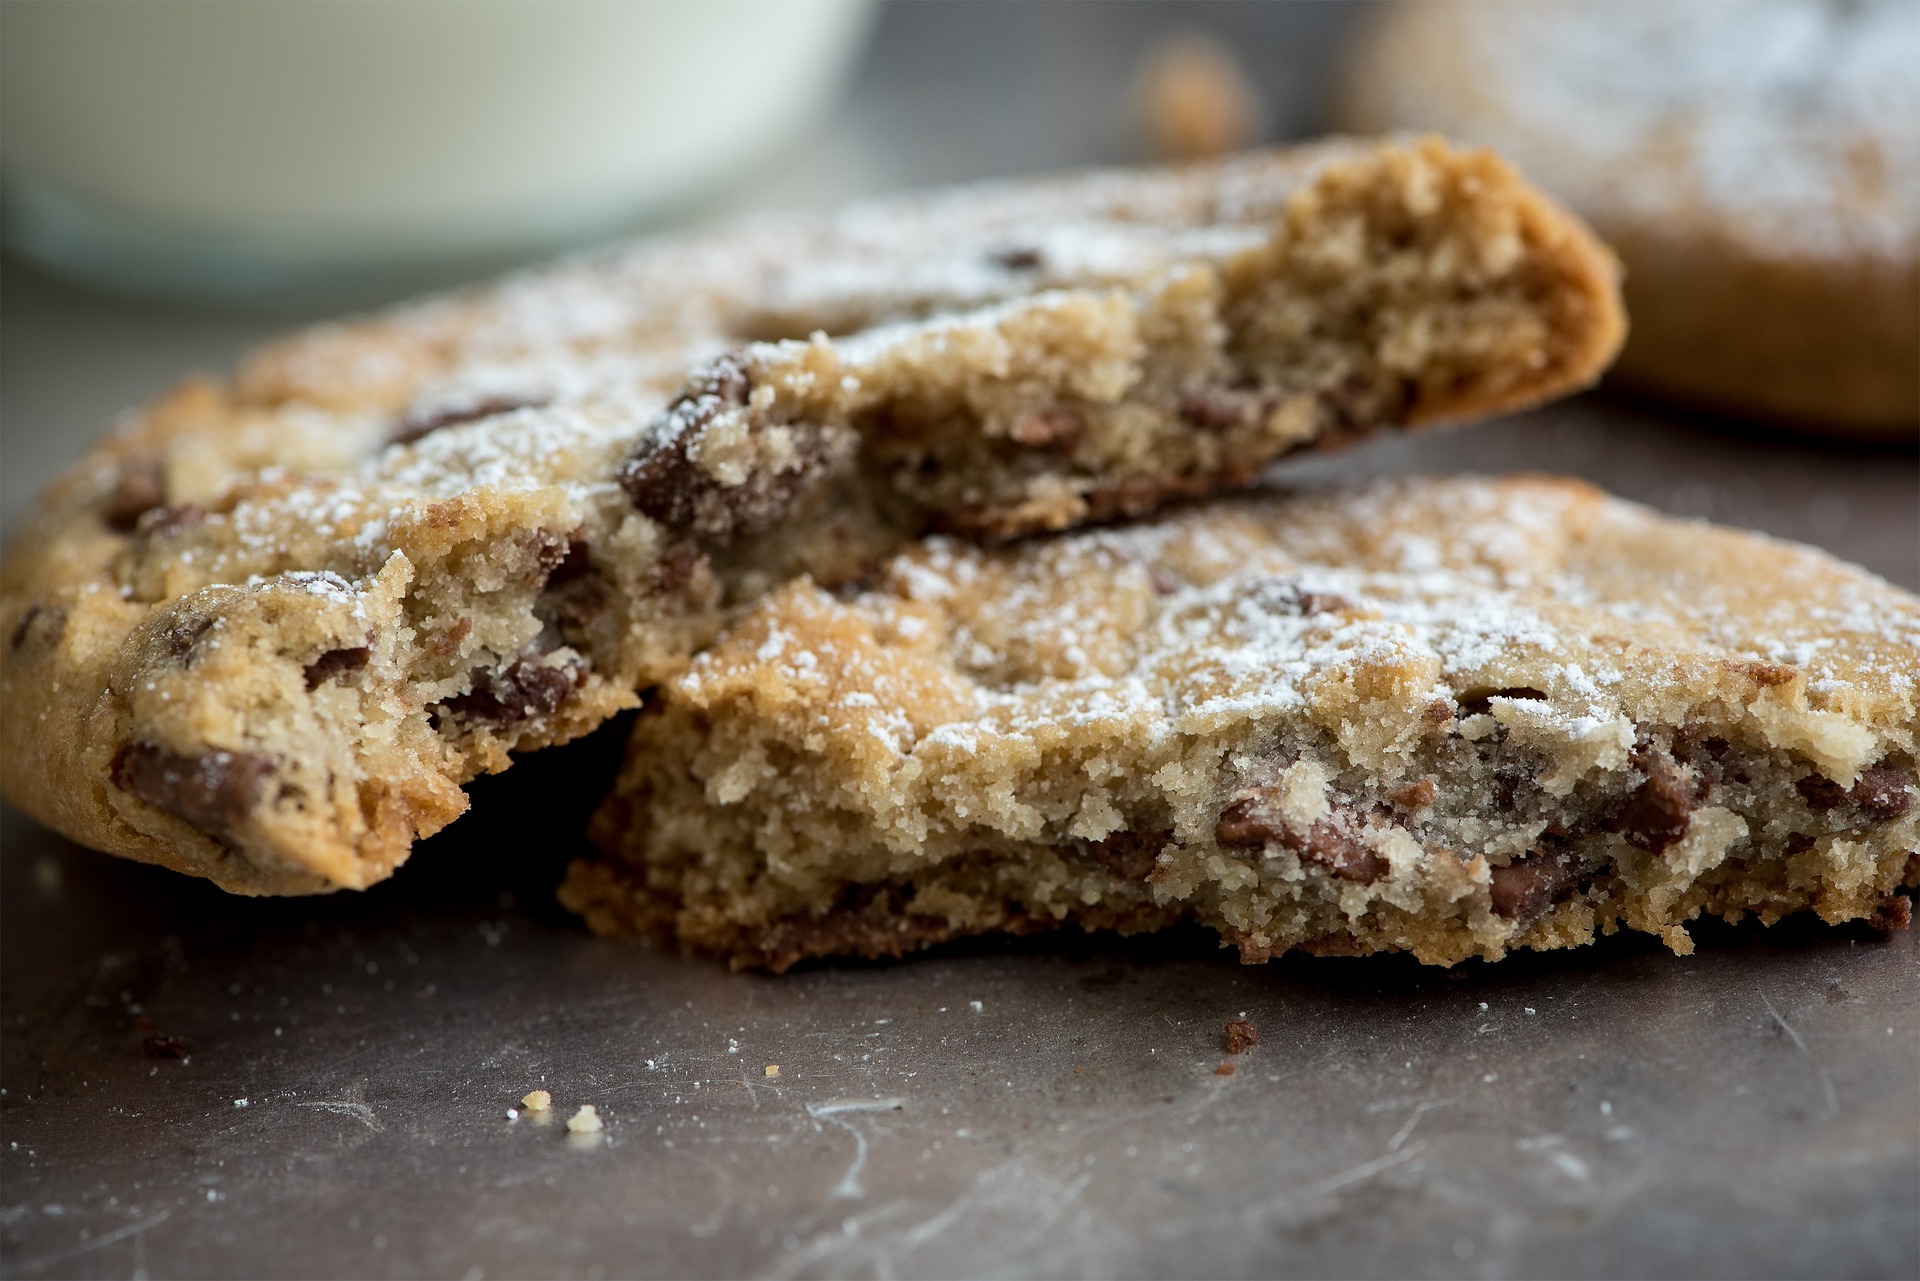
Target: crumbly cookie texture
1756,164
266,630
1450,717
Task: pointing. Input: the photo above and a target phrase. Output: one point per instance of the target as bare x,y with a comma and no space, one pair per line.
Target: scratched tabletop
198,1085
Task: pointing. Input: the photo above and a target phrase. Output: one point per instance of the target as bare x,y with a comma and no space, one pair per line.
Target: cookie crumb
773,1069
161,1046
585,1121
1242,1036
537,1101
1226,1069
1195,99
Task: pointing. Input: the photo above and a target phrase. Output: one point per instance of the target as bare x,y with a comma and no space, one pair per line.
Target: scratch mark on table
1826,1082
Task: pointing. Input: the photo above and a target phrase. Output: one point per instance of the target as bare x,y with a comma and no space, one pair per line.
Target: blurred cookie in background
1756,165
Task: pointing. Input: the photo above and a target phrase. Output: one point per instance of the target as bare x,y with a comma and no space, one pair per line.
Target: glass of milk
241,151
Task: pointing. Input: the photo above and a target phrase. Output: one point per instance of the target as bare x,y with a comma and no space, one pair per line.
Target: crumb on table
585,1121
1242,1036
537,1101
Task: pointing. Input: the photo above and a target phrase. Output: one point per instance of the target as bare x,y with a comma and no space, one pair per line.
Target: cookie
267,630
1757,165
1452,717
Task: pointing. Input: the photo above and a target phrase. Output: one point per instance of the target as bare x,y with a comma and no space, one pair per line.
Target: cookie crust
266,630
1450,717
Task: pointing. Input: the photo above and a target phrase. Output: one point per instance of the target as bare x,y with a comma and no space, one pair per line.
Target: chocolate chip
1241,1036
141,487
519,691
213,793
1050,429
1882,791
1131,856
158,1046
423,423
1656,814
1528,886
337,664
1214,411
1016,258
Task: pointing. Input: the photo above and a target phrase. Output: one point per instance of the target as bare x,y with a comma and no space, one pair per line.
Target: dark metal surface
1047,1109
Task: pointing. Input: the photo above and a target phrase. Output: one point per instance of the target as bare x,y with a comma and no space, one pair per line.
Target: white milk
220,148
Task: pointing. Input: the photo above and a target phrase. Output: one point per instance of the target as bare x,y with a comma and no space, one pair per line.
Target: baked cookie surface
1451,717
266,630
1757,165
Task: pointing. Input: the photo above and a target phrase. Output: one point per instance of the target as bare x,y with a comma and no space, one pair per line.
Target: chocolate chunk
1438,713
1479,702
159,1046
1214,410
1051,429
1252,820
141,487
41,623
520,690
675,569
1340,853
1656,814
1016,258
1770,674
423,423
179,639
564,559
1882,791
1527,887
213,793
25,624
1131,856
1249,821
665,484
158,522
1821,792
1415,795
1895,912
1241,1036
1312,603
337,664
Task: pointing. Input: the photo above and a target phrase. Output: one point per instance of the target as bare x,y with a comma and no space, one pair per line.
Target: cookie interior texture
1448,717
1756,165
266,631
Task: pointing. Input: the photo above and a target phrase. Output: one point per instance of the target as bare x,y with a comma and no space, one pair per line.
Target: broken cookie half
267,630
1448,717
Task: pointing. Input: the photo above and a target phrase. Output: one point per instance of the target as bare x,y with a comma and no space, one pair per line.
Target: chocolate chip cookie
1756,164
1449,717
266,631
